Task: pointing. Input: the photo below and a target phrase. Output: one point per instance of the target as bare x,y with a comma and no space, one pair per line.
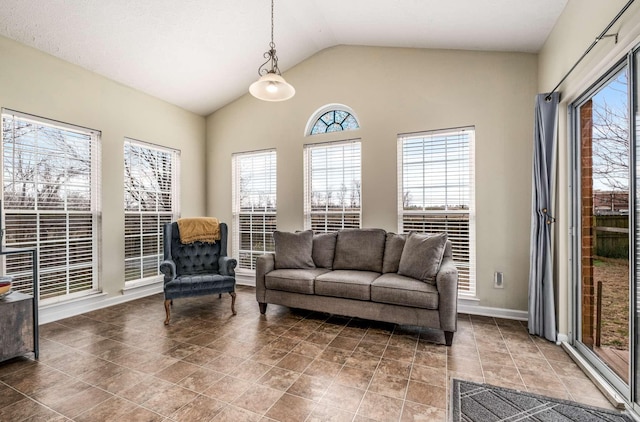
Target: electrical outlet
498,280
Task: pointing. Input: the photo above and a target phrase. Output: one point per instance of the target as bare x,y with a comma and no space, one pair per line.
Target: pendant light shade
271,86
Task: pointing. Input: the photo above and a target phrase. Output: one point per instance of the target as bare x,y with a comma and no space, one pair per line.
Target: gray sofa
364,273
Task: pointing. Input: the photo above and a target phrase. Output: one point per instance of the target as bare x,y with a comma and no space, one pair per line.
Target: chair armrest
264,264
447,284
168,268
227,265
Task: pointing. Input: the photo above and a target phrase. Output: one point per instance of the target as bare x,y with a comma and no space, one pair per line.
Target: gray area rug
472,402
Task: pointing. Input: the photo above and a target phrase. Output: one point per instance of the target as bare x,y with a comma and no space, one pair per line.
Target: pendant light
271,86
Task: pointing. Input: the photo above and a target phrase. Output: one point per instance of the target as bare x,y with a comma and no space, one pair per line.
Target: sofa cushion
406,291
392,252
293,280
293,250
359,249
198,284
422,256
349,284
324,246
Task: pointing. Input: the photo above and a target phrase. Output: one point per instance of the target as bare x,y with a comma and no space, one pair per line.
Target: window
150,200
254,206
436,192
332,118
51,202
332,186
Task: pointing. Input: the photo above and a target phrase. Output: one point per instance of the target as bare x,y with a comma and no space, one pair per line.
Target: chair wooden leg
233,302
263,307
220,296
167,309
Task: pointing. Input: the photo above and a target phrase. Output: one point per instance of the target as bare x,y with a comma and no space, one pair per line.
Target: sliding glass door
604,195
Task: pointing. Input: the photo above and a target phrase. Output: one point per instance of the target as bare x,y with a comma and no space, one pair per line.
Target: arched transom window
332,118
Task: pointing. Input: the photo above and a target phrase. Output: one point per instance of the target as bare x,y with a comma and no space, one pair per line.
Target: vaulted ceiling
203,54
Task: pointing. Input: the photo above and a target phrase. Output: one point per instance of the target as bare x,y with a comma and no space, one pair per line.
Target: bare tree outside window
49,201
435,192
333,186
254,206
150,201
610,137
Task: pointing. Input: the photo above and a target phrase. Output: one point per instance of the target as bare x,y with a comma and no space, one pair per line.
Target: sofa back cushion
392,252
422,255
324,247
293,250
359,249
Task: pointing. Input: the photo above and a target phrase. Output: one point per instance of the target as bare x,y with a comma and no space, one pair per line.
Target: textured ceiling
202,54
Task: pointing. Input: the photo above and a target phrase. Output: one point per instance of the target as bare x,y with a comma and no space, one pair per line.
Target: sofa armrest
168,268
447,284
264,264
227,265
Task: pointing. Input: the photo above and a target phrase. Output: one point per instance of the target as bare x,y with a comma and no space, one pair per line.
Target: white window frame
445,219
133,210
265,191
338,215
15,265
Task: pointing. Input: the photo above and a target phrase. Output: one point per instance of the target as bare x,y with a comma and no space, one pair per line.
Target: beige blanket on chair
199,229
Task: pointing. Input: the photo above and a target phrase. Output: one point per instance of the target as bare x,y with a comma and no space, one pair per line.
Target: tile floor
122,364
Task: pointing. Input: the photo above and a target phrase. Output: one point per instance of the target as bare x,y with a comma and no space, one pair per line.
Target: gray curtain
542,313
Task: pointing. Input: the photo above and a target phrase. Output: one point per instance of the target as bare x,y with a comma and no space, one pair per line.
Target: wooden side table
16,325
19,315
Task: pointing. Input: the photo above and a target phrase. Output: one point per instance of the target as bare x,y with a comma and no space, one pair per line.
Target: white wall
580,23
36,83
395,90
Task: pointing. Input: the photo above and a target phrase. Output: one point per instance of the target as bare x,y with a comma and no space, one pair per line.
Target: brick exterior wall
587,229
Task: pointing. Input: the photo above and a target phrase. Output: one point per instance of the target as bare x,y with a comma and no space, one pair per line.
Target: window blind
51,202
436,193
332,186
254,205
150,201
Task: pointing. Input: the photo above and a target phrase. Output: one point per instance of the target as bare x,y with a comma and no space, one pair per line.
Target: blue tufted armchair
196,269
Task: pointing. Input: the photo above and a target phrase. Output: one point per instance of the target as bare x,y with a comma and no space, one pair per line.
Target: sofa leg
448,337
167,309
233,302
263,307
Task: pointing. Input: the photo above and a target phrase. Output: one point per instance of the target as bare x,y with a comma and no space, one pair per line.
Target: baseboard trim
472,309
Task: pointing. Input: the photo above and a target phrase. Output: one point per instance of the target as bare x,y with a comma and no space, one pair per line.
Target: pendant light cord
272,45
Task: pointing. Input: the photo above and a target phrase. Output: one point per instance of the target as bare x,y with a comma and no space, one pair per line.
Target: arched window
332,169
332,118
